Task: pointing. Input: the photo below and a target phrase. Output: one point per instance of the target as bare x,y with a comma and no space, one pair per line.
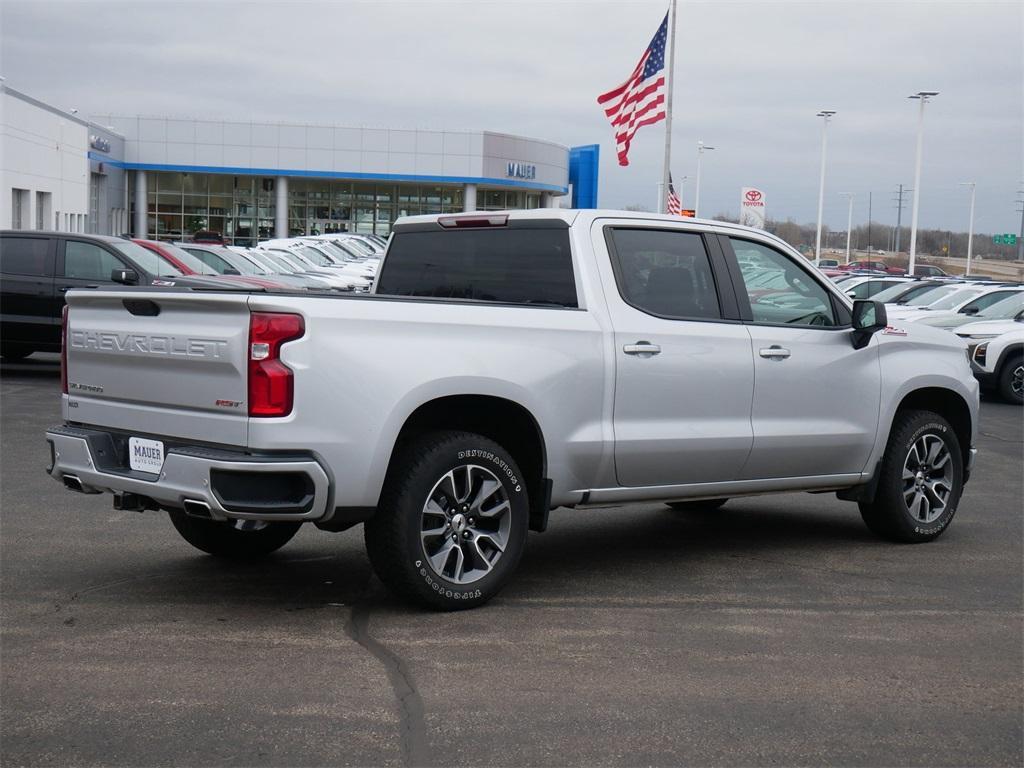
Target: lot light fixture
970,227
922,97
701,147
826,115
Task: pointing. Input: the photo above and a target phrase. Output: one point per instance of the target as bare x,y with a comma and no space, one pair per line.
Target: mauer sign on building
752,207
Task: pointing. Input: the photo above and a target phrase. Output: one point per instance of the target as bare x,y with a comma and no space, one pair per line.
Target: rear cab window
520,265
665,273
28,256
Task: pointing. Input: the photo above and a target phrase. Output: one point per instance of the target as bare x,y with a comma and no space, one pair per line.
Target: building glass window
221,184
18,206
166,182
242,208
195,183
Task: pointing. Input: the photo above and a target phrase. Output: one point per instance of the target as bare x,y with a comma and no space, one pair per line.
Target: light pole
922,97
826,115
970,228
701,146
849,223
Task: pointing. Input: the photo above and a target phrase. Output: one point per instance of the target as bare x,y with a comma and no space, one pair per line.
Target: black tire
224,539
13,352
401,555
704,505
1010,378
889,515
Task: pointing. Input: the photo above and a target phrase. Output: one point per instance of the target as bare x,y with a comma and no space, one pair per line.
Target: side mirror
125,276
969,310
231,271
869,317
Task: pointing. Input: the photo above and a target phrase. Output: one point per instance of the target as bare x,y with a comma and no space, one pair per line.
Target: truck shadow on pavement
606,549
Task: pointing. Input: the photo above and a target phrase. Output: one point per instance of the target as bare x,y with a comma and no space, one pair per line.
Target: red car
877,266
188,264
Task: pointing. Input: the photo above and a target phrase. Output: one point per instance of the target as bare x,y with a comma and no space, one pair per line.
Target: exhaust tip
72,483
197,508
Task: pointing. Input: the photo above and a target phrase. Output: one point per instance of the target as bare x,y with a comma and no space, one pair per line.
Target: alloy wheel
927,478
465,524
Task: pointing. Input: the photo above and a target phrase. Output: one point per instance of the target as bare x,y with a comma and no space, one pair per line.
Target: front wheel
920,482
452,521
240,539
1011,381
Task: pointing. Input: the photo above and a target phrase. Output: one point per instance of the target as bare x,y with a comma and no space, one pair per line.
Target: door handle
774,352
642,348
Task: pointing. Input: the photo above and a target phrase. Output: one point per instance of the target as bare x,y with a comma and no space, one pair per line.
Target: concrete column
281,207
141,201
469,197
547,200
28,210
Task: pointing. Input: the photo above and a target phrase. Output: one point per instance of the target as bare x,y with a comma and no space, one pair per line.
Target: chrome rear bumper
204,481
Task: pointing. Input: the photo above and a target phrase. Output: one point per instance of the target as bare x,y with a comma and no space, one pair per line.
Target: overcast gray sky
750,77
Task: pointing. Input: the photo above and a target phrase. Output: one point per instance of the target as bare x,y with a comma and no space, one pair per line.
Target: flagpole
663,204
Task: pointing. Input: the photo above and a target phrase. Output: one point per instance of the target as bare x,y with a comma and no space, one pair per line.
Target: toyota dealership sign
752,207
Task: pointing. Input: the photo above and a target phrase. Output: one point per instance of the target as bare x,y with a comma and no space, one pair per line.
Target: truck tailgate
159,363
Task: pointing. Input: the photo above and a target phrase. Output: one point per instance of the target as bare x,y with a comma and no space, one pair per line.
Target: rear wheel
242,539
452,521
920,482
705,505
1011,381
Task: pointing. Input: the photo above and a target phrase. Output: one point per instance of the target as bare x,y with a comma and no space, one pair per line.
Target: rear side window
517,266
665,273
26,256
986,301
869,288
212,260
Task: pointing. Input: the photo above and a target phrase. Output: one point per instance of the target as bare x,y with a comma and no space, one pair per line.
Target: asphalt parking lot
776,631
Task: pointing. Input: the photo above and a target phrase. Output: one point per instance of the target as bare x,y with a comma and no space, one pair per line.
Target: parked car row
38,268
834,268
988,315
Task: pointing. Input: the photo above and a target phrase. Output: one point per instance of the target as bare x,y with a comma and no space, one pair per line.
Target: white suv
996,351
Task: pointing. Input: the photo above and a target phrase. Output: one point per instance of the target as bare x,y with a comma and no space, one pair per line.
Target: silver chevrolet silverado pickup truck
504,365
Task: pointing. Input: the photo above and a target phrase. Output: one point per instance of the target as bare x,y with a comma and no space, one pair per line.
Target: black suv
37,268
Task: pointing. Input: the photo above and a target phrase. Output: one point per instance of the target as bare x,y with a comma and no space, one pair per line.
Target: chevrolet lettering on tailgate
145,344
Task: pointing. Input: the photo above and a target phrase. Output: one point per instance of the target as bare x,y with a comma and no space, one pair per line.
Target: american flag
641,99
675,205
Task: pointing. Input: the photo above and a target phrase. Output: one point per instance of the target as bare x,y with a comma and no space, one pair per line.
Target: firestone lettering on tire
475,453
442,590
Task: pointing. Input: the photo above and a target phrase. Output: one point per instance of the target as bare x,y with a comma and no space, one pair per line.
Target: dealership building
167,178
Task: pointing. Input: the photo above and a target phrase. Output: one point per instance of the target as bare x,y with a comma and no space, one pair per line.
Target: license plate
145,455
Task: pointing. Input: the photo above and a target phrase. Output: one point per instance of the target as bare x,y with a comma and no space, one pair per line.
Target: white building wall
43,150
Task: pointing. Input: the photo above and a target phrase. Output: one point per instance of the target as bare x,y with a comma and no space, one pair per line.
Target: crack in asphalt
1000,438
412,723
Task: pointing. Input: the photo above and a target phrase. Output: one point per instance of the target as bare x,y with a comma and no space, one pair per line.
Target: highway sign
1004,239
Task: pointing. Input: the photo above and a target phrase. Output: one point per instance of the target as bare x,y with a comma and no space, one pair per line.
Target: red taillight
270,380
64,350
